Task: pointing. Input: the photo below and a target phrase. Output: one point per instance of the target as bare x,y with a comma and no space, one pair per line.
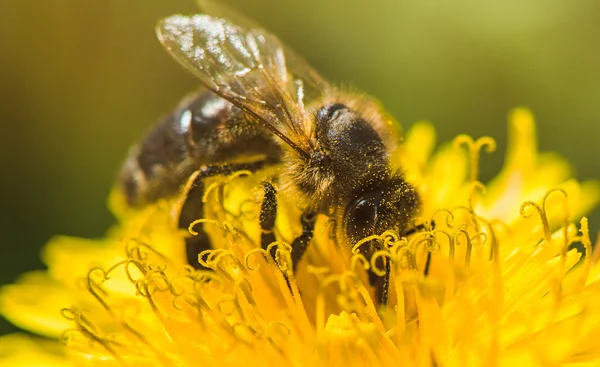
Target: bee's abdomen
204,129
153,167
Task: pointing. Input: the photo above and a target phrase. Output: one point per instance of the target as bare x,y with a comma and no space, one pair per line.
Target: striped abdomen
205,129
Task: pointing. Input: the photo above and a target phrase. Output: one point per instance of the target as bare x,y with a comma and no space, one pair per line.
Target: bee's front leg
380,283
268,214
422,227
301,242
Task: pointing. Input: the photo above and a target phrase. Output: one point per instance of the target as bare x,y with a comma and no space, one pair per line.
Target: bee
331,149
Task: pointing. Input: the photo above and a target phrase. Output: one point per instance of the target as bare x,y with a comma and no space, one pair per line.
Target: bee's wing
247,68
313,82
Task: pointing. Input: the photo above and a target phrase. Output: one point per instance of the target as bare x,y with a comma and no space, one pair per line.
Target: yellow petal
19,350
35,303
495,283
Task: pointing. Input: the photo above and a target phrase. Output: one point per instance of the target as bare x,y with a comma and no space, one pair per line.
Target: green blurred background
81,80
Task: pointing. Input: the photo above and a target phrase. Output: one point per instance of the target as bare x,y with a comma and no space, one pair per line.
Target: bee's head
348,151
346,134
391,205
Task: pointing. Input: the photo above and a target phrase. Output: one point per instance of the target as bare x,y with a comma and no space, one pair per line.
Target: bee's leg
385,288
301,242
427,264
193,207
268,213
380,283
419,228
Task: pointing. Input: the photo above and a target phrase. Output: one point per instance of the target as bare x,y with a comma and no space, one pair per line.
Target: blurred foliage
81,80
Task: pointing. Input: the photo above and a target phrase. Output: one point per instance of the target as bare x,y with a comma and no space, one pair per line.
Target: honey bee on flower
199,272
262,107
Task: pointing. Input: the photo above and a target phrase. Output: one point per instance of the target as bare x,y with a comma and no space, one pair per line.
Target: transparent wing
314,84
246,67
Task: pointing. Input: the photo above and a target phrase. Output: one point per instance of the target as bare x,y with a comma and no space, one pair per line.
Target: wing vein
251,69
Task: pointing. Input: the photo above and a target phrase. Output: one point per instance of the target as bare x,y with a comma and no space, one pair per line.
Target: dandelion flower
493,280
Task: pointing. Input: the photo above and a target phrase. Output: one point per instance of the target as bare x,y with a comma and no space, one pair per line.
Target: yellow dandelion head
493,279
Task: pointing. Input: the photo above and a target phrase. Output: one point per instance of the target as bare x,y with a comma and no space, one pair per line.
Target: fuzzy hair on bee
262,107
353,140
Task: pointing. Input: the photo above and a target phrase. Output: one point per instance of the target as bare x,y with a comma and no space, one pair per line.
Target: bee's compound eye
329,112
361,216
